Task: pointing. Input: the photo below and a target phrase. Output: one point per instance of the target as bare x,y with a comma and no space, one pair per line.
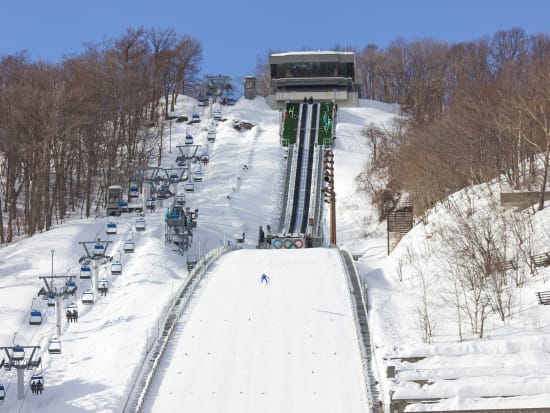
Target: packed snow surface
286,345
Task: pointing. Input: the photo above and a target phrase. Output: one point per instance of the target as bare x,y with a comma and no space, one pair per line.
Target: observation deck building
322,75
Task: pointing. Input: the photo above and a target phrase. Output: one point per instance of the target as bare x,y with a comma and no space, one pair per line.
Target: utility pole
328,191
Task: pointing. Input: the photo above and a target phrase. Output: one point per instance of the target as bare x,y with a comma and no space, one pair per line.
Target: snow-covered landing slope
286,346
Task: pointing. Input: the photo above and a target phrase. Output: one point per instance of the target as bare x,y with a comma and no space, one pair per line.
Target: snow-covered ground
509,366
103,350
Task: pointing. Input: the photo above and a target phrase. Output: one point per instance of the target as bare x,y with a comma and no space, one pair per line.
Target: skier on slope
264,278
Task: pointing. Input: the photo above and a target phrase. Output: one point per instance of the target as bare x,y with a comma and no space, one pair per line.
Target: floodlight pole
53,252
329,191
170,122
58,314
333,218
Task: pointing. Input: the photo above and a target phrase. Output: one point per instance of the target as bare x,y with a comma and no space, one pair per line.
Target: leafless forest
476,111
69,130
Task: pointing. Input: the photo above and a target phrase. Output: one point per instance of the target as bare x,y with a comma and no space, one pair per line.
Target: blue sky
234,33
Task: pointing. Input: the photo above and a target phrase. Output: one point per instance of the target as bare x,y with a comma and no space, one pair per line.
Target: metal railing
357,292
153,356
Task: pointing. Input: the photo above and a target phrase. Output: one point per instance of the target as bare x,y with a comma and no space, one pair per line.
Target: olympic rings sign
287,243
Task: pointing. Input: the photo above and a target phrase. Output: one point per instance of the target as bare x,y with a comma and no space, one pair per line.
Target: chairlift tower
95,255
20,358
58,293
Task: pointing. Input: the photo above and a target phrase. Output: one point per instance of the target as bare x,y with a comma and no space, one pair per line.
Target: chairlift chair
54,345
180,199
17,353
2,392
123,206
111,228
51,300
116,268
103,285
129,245
197,176
99,249
70,287
188,140
140,224
88,297
72,307
211,136
134,191
37,381
150,203
189,187
86,269
35,318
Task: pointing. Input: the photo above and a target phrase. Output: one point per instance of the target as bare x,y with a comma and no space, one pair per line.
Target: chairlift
197,176
37,382
180,199
35,318
111,228
129,245
70,287
195,117
54,345
2,392
150,203
99,249
217,114
88,297
211,136
72,307
17,353
188,140
51,300
116,268
134,191
123,206
189,187
103,285
86,269
140,224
